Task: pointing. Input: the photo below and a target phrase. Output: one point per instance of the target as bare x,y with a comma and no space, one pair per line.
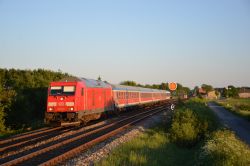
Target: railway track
24,136
30,140
53,151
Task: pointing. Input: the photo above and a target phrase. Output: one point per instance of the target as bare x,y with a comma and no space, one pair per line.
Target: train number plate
61,104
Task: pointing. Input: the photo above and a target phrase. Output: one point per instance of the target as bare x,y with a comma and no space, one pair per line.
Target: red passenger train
75,100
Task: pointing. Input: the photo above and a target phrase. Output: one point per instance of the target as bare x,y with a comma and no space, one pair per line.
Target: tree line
23,96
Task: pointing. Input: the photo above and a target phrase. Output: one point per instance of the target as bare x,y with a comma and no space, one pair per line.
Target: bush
187,129
223,148
191,122
2,126
243,107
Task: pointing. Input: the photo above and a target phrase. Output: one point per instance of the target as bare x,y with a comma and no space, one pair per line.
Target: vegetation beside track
194,137
23,98
240,107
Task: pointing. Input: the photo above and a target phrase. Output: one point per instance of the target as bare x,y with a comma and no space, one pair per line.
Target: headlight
50,109
69,104
50,104
71,109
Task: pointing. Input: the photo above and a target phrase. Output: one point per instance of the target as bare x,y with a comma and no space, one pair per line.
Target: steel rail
27,135
31,141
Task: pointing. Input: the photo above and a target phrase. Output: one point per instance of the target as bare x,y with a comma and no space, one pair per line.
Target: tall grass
240,107
223,148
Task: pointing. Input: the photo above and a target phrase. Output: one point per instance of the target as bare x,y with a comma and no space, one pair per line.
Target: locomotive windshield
62,90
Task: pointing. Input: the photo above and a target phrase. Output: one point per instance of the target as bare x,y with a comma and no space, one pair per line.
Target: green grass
195,137
153,147
10,132
239,107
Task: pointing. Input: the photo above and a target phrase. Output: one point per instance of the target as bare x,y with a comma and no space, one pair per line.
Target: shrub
191,122
2,126
223,148
243,107
187,128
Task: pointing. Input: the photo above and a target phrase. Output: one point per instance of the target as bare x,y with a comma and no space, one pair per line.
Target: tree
99,78
196,90
128,83
207,88
232,91
163,86
186,90
224,93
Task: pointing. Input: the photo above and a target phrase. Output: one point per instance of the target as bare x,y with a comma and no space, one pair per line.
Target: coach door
126,97
81,100
104,99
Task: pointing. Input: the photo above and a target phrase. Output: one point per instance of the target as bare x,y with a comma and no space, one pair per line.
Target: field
194,137
240,107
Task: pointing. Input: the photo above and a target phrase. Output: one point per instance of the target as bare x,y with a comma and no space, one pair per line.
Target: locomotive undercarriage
70,118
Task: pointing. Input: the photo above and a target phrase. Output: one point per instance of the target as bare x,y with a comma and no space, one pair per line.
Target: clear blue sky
191,42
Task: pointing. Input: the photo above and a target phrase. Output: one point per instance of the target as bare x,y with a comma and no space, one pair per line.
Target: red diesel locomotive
75,100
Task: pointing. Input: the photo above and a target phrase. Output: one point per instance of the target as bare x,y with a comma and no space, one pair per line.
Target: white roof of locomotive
88,82
95,83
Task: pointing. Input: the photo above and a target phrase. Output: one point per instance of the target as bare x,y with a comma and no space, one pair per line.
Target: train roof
88,82
134,88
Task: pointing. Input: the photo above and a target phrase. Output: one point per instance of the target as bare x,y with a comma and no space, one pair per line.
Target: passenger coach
125,96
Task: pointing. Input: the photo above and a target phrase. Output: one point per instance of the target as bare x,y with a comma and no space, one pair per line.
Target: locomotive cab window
62,90
69,90
55,90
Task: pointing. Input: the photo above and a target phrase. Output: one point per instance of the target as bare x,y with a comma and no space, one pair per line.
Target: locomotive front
62,103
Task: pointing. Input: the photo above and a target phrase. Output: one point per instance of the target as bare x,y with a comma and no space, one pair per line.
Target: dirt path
240,126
